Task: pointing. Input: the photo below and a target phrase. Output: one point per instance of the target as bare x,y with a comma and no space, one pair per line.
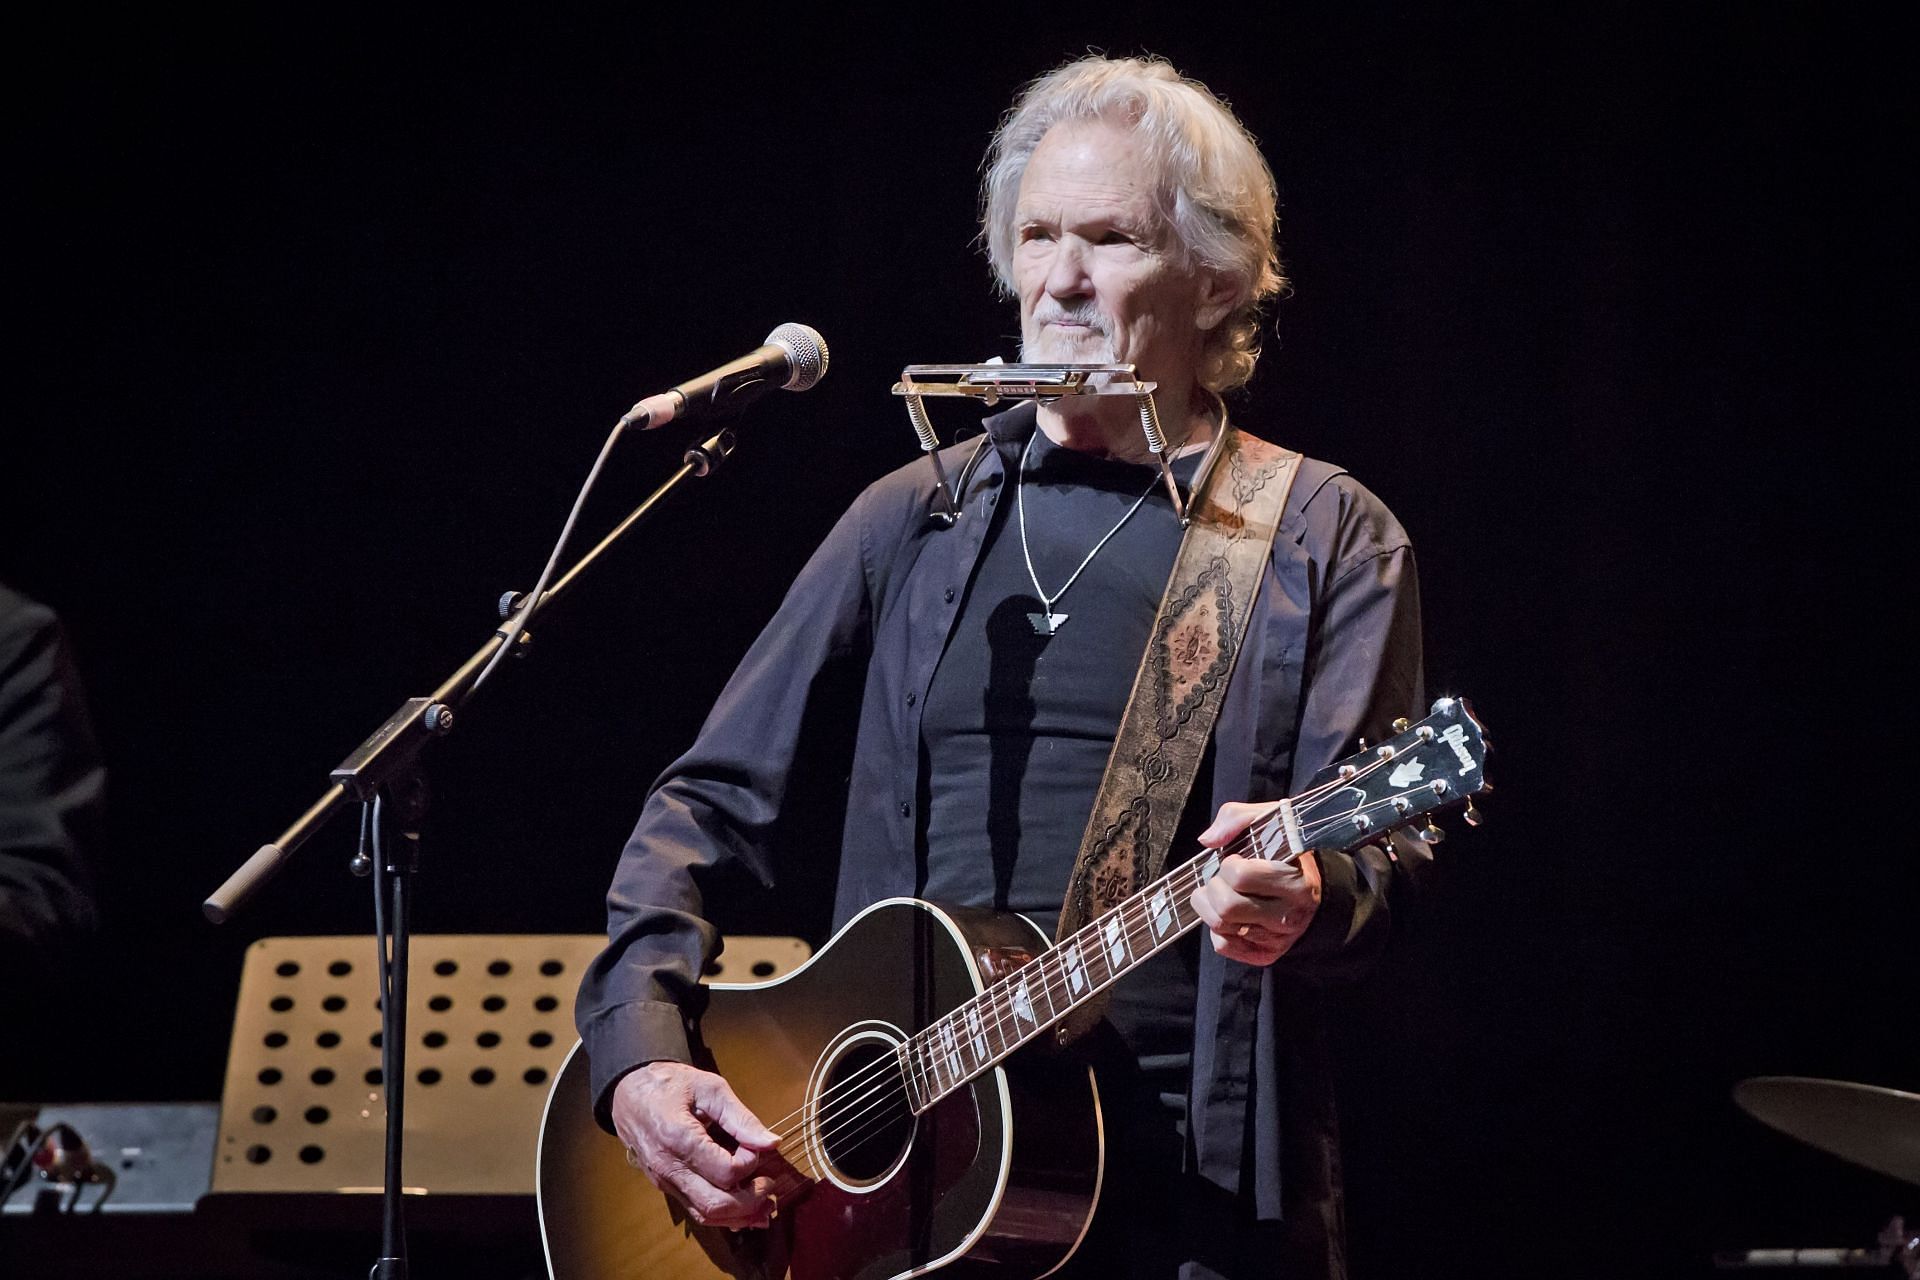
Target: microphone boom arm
391,749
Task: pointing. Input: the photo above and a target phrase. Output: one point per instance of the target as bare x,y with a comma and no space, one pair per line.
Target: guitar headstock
1422,769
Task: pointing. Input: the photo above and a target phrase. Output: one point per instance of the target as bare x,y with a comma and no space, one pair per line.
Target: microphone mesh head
806,354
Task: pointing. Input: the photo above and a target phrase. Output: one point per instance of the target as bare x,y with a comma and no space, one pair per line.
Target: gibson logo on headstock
1455,736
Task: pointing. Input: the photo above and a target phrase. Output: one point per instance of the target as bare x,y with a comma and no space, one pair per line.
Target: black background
319,318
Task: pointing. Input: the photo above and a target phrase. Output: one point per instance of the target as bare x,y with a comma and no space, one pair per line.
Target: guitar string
876,1072
879,1095
849,1122
1133,916
1139,933
868,1122
853,1129
1129,915
858,1127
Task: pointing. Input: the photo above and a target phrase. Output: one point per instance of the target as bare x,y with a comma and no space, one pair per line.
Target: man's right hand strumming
663,1112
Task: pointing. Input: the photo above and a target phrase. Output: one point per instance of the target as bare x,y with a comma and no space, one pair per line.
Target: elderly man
1132,217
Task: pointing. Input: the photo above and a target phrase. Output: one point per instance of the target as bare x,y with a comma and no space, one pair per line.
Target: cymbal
1875,1128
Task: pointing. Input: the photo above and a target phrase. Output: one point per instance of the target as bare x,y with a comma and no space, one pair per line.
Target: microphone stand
385,776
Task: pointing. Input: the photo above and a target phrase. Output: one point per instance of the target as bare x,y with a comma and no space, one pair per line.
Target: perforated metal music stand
490,1017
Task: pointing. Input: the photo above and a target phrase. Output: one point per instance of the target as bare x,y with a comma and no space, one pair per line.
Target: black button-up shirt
1332,653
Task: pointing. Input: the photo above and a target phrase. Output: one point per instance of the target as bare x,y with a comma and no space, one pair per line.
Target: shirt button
947,595
906,810
912,698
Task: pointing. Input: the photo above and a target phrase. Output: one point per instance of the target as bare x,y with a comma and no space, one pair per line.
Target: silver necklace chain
1049,622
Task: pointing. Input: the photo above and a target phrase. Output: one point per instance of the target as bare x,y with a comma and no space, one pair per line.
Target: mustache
1086,315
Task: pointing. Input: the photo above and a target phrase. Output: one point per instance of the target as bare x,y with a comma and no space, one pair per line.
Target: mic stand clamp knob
709,453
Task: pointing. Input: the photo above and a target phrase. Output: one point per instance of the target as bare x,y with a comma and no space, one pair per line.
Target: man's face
1099,276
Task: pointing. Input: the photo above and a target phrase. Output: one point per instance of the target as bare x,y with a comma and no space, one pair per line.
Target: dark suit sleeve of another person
718,803
52,788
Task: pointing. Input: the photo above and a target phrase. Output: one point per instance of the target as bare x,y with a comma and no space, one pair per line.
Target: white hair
1216,191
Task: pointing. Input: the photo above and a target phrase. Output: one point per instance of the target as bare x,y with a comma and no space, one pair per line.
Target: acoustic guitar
925,1121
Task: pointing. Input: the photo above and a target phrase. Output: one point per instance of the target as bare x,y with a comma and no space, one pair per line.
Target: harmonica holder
992,383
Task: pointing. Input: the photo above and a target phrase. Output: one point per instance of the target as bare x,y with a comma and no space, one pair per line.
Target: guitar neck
1424,767
978,1035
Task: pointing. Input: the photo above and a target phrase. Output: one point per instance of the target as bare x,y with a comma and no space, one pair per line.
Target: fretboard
979,1034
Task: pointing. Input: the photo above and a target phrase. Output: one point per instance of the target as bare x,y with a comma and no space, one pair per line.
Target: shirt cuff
1333,919
627,1036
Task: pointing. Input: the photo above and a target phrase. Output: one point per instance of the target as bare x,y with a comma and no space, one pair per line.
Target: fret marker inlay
1076,972
1162,913
951,1048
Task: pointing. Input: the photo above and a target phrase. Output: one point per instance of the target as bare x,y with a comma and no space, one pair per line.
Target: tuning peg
1472,815
1402,725
1430,833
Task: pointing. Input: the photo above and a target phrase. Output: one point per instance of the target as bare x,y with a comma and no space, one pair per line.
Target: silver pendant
1045,624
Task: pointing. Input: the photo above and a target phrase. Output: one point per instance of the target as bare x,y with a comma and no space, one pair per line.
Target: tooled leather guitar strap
1180,685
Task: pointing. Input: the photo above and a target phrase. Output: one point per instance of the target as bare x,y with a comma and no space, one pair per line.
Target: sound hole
864,1121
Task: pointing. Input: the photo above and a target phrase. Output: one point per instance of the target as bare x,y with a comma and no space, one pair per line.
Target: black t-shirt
1018,725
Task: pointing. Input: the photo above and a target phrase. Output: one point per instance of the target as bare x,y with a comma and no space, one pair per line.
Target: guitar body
1005,1170
912,1002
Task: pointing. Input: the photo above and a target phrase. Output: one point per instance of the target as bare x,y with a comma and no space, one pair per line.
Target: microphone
793,353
